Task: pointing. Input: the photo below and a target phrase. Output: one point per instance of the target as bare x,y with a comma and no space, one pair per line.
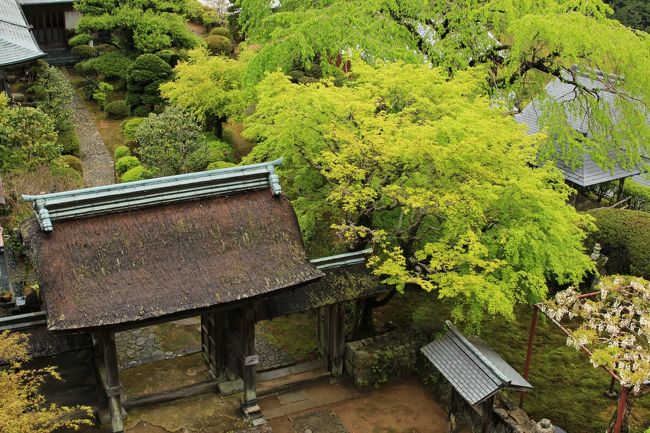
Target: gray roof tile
473,369
589,173
17,44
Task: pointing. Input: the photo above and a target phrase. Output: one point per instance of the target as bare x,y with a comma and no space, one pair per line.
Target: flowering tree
615,324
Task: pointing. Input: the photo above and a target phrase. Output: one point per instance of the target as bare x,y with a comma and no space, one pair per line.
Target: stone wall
378,359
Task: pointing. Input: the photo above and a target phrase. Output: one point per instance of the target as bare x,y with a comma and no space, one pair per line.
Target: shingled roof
126,253
589,173
17,43
472,368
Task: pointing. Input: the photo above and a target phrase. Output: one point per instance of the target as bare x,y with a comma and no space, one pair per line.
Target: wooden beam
162,397
488,413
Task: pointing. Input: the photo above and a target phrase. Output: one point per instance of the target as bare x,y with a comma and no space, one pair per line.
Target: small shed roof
589,173
473,369
17,43
121,264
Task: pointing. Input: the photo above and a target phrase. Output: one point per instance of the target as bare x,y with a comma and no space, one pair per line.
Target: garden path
96,161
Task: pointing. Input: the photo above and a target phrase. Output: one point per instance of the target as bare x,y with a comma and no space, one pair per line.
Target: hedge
130,126
625,238
220,31
121,151
639,195
69,142
136,173
118,109
126,163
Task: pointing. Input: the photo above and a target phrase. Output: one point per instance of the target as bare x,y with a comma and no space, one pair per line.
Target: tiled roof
589,173
472,368
44,2
17,44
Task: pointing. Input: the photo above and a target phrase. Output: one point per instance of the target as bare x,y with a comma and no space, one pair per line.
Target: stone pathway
271,355
96,161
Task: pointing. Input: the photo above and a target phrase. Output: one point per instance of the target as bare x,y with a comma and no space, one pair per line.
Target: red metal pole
620,413
529,353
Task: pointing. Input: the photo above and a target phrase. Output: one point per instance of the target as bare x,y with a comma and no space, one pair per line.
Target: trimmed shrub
113,66
219,44
220,164
106,48
625,238
118,109
125,163
68,141
82,39
83,51
639,195
121,151
136,173
73,162
220,31
171,57
143,78
141,111
129,127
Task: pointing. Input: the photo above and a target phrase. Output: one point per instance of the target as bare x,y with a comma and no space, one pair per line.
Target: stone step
284,383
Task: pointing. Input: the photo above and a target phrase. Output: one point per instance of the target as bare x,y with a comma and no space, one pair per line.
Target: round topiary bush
83,51
125,163
136,173
219,44
73,162
121,151
118,109
220,31
625,238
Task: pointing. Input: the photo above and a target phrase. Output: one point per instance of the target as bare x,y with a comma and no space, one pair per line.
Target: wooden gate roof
118,265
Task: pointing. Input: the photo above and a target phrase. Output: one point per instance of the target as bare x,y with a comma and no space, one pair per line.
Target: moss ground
568,390
296,334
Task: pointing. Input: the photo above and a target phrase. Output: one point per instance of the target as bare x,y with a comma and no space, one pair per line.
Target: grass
567,389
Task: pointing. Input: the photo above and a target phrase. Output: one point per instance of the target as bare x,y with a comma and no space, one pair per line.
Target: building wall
72,19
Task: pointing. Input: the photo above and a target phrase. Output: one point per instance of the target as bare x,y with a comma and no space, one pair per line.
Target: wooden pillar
620,189
529,353
213,344
232,334
488,412
110,379
336,339
249,361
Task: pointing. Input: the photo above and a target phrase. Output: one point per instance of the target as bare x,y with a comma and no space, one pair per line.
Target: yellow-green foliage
24,409
121,151
639,195
442,183
136,173
126,163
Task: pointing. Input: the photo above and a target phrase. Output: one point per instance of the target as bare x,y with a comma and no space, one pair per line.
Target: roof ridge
485,363
151,192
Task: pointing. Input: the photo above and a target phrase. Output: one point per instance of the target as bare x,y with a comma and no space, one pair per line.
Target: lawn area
568,390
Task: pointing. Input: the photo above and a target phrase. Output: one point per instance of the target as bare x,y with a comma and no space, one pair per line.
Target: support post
249,361
336,339
113,388
488,412
529,353
622,407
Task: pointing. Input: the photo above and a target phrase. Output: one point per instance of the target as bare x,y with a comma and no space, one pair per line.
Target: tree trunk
364,323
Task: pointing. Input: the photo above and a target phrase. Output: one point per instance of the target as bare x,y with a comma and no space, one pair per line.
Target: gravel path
96,161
